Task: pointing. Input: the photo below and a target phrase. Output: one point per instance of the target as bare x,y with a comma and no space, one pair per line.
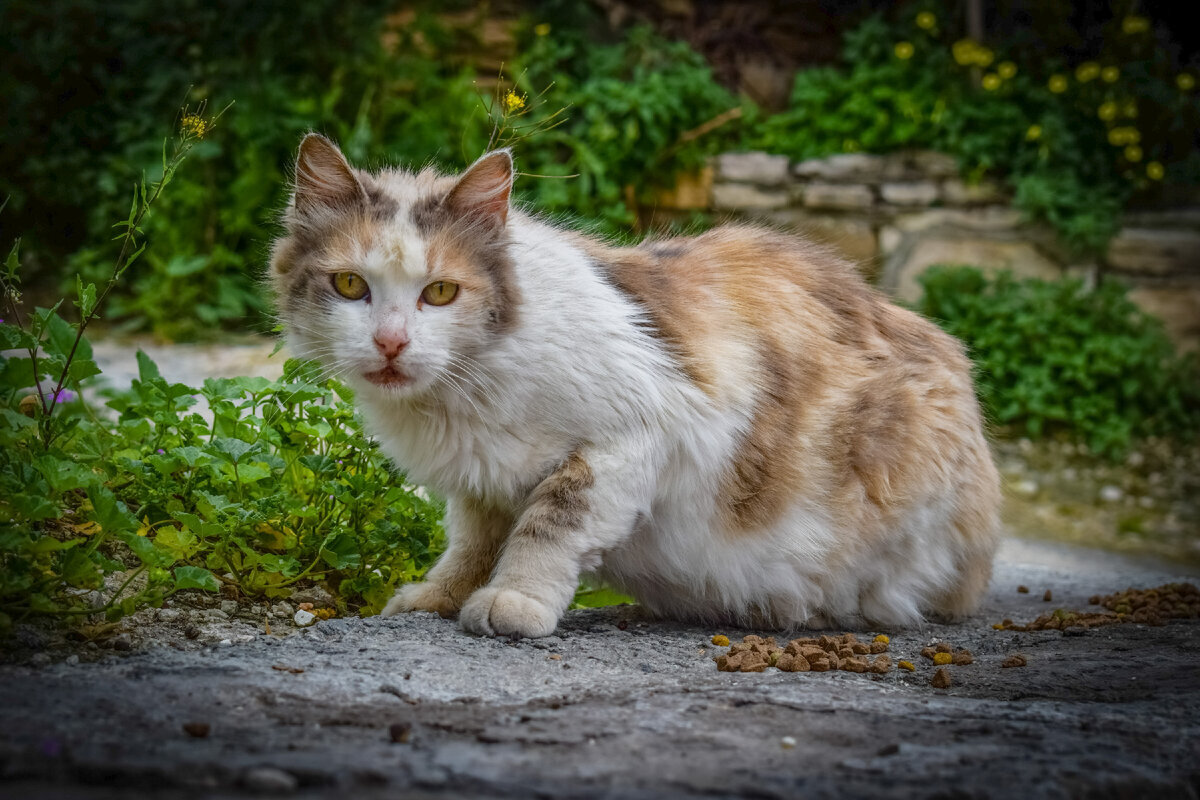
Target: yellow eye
350,285
439,293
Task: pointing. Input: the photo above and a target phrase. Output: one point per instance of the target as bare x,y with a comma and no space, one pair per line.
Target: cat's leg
474,533
586,506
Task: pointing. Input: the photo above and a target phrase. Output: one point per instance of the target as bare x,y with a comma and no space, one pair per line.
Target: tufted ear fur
483,191
324,179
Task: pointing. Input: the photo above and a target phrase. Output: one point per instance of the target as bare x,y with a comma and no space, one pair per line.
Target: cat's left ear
483,191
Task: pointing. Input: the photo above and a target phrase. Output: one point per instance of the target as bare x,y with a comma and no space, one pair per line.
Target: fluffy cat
730,427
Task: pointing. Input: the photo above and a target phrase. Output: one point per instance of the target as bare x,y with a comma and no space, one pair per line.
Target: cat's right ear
324,179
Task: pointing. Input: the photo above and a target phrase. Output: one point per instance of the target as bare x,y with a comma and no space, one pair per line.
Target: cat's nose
390,343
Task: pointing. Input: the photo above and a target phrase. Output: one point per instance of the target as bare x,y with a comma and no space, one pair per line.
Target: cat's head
395,281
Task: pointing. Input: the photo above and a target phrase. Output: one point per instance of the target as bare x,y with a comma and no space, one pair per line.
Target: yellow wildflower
1155,171
1133,153
1057,84
193,126
904,50
984,56
1107,111
1088,70
542,30
513,102
1006,70
720,641
964,51
1110,74
1034,133
1130,109
926,20
1185,81
991,81
1134,24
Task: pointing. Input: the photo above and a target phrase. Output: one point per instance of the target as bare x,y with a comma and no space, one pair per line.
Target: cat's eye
439,293
349,285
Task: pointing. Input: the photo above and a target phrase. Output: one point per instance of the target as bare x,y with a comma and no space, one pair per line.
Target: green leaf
181,543
230,449
12,264
147,369
13,338
110,512
143,548
80,571
86,302
196,578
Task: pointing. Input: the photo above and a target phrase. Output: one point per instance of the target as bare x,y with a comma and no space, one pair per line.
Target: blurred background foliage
1082,111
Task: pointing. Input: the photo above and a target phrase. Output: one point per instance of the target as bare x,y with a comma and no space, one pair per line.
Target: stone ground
614,705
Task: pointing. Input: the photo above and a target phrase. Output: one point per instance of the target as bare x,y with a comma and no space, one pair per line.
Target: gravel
631,707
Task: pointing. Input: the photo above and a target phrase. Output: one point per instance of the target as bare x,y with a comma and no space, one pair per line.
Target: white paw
505,612
420,597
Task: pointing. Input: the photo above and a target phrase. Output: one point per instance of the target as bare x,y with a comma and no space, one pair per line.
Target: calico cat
730,427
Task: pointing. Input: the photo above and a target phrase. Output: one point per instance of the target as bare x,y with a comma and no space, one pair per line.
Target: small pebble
400,732
304,618
1111,494
1048,596
269,780
787,742
72,659
1022,590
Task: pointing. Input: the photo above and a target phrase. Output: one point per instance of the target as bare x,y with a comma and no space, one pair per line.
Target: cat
731,427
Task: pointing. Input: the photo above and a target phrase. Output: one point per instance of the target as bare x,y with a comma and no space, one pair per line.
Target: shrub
1074,142
1053,355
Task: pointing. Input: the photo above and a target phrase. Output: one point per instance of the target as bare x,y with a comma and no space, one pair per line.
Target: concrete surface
619,706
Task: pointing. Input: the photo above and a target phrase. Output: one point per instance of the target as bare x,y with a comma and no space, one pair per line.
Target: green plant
275,483
1053,355
1074,144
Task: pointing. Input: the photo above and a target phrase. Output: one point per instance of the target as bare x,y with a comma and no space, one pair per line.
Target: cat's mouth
388,376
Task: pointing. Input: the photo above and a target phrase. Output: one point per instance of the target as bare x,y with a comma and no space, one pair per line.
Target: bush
276,484
1075,143
1053,355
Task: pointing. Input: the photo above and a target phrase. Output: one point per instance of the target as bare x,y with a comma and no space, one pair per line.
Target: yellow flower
1116,137
904,50
1107,111
1034,133
1057,84
542,29
991,81
964,51
1130,109
1185,81
1088,70
1110,74
926,20
984,56
1155,171
513,102
193,126
1134,24
1006,69
1133,153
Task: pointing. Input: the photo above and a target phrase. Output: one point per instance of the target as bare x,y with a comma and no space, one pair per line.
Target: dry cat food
942,654
940,679
821,654
1016,660
1147,606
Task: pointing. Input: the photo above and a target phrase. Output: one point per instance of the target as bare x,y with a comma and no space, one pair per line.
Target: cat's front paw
505,612
421,597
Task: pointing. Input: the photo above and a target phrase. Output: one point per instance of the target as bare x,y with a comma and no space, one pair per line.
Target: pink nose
390,343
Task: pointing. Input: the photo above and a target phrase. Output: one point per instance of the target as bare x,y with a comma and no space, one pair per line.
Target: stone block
862,167
692,190
949,246
983,219
912,165
851,238
739,196
1178,306
889,239
910,193
763,169
838,196
956,192
1150,251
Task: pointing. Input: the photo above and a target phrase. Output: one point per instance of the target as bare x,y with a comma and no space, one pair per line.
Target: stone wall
898,214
